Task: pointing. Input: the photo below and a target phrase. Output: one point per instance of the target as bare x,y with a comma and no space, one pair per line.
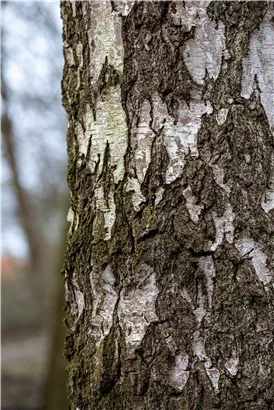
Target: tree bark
169,261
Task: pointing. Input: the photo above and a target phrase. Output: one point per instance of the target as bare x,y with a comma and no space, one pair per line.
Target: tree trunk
55,388
27,214
169,262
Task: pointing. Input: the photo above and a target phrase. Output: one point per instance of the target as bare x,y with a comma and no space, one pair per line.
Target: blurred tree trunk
55,390
169,260
27,215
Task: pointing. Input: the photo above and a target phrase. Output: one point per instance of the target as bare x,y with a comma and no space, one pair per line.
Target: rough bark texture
169,262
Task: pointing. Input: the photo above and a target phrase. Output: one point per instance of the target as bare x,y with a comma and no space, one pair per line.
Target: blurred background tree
34,205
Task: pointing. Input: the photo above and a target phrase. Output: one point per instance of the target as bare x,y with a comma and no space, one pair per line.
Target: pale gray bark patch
75,299
109,126
133,186
182,138
179,137
204,52
199,350
260,64
232,365
73,8
268,196
179,374
191,203
70,218
221,116
206,265
107,207
251,250
214,376
68,52
218,173
137,309
122,7
159,195
224,227
104,39
142,142
104,301
258,67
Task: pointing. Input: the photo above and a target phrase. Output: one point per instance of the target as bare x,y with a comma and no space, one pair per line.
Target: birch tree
169,261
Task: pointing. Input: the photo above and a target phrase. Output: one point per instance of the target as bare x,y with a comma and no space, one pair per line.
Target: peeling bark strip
169,262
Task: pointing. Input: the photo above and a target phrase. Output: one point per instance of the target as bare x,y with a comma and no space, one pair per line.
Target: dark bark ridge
164,237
